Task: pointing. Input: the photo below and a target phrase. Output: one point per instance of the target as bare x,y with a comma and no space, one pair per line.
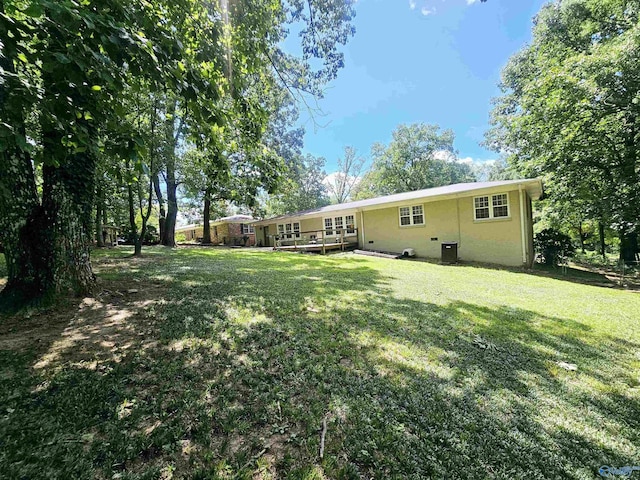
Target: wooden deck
318,247
322,241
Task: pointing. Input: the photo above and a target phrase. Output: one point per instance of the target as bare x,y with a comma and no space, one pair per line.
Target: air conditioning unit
408,252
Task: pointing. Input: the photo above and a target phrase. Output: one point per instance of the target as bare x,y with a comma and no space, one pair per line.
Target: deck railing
316,239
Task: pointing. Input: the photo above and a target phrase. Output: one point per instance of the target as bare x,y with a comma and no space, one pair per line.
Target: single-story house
490,222
233,230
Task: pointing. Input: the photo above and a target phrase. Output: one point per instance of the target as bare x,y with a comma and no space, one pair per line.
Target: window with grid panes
413,215
350,222
489,207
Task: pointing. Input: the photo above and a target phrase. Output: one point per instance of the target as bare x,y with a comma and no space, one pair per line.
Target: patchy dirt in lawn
89,331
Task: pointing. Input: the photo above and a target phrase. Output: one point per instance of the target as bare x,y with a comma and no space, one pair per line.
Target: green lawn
208,363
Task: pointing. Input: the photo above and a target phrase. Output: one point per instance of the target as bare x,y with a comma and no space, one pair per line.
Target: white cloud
426,11
471,2
412,4
443,155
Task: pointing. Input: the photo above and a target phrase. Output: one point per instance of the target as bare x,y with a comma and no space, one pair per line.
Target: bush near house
553,244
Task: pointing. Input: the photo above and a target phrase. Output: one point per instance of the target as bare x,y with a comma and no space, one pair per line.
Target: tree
67,64
419,156
569,110
342,183
303,189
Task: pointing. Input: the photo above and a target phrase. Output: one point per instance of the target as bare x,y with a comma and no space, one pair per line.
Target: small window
328,226
350,221
491,206
413,215
481,207
418,216
500,205
405,216
287,228
296,229
339,225
281,229
247,229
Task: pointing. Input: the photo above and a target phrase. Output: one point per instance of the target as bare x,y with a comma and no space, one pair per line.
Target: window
413,215
498,207
418,216
246,229
339,225
350,221
481,207
289,230
328,226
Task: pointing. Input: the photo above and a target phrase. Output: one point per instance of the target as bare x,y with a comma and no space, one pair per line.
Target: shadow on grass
224,365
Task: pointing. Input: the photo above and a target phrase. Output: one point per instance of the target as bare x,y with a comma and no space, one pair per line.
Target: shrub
552,244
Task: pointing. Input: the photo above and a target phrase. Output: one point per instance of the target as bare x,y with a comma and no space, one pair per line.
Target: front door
265,231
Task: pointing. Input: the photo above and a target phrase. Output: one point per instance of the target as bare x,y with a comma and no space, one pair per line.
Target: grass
213,364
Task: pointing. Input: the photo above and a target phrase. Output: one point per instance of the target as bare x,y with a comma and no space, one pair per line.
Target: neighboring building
234,230
490,221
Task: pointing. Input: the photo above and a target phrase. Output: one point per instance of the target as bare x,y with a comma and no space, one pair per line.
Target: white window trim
334,229
285,234
247,229
412,224
491,216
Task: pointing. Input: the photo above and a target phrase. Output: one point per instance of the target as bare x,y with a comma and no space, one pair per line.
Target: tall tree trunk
47,245
628,247
19,203
581,234
603,245
67,204
169,239
20,213
631,213
137,240
99,216
161,204
206,234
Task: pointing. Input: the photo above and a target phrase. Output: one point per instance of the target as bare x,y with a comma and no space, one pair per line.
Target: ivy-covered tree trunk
67,202
19,202
206,233
19,210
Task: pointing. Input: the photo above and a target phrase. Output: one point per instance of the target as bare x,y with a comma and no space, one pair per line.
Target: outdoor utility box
449,252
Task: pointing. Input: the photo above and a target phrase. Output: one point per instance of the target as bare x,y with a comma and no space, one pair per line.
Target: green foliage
553,245
303,188
419,156
569,109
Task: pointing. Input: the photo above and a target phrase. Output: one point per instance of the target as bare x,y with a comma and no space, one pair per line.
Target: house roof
236,219
533,186
229,219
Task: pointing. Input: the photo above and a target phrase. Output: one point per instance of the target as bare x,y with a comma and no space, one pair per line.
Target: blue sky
433,61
